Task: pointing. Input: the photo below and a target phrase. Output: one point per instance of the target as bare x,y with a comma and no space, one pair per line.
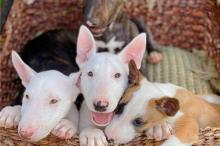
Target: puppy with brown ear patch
147,104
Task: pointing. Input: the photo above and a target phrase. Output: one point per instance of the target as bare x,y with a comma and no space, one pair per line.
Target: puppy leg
187,129
89,134
68,126
10,116
159,132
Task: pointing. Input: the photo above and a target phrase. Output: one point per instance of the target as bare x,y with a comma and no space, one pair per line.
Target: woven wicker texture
207,137
190,70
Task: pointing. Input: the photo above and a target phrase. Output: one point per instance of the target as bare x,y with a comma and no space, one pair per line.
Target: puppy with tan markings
47,106
104,78
147,104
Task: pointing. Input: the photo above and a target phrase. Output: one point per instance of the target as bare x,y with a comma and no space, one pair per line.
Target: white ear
75,78
24,71
85,45
135,50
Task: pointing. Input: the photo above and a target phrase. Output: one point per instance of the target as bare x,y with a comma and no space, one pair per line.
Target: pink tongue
102,118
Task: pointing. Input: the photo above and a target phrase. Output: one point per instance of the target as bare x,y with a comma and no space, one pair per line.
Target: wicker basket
171,21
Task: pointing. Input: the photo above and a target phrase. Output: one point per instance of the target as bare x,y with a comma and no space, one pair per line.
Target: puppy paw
65,129
159,132
154,57
92,137
10,116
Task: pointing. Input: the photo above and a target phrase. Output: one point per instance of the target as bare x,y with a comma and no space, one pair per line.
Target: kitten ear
85,45
24,71
169,106
135,50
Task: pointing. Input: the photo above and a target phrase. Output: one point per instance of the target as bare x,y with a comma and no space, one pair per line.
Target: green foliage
1,3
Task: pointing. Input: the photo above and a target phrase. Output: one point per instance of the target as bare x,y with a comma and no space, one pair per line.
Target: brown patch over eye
117,75
53,101
90,74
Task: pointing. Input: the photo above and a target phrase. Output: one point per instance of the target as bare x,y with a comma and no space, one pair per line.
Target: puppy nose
92,22
26,133
101,105
89,23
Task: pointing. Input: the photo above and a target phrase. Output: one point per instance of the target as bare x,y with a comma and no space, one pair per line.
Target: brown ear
168,105
133,77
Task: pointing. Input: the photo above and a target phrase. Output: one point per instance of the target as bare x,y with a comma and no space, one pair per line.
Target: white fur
37,113
103,84
121,128
212,99
174,141
29,2
111,45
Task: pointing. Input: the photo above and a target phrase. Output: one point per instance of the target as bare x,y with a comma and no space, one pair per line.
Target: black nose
100,107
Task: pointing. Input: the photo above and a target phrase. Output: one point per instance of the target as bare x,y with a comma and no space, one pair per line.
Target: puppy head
136,112
136,120
100,14
47,99
104,75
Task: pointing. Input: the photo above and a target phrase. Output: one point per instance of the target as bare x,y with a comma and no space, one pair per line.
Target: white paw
10,116
159,132
92,137
65,129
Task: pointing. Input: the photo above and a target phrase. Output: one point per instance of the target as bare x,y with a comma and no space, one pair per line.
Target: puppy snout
101,105
26,133
92,22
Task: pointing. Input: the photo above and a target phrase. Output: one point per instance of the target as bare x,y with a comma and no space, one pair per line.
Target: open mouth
98,31
101,119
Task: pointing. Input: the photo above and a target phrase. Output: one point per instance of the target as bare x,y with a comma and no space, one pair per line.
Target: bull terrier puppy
113,30
146,104
47,106
104,78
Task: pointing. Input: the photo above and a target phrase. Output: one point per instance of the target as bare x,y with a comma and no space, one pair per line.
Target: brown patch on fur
187,130
135,78
192,105
167,105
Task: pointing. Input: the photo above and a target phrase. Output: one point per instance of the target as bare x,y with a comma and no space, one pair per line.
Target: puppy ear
85,45
24,71
135,50
168,105
75,78
133,77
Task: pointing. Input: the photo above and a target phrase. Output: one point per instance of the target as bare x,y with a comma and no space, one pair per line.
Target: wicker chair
184,24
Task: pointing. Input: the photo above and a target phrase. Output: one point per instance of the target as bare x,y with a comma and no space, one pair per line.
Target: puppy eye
138,122
27,96
120,108
53,101
117,75
90,74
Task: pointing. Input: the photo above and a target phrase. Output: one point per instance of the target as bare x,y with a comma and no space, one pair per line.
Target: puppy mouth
98,31
101,119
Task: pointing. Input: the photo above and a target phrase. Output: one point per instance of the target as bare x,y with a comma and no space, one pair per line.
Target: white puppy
104,78
48,104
